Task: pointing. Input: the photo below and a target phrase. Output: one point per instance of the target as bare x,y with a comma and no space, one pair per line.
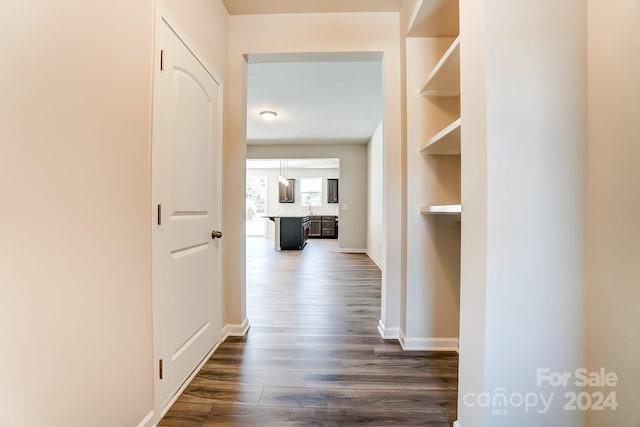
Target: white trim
352,251
231,330
375,260
456,423
388,333
428,344
148,420
184,385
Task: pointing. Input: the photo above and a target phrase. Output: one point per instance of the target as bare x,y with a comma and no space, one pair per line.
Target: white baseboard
388,333
457,424
375,260
147,421
352,251
231,330
428,344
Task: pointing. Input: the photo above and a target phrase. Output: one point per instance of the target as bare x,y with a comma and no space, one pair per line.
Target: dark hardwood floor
313,355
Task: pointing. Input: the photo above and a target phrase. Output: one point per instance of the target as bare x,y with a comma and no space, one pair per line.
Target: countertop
284,216
296,216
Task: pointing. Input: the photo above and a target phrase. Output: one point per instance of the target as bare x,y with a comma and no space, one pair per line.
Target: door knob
216,234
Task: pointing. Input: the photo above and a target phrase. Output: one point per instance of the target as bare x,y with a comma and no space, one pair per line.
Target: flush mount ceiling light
268,116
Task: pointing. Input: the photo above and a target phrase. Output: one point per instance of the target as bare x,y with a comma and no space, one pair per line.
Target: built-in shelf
453,210
445,142
444,80
435,18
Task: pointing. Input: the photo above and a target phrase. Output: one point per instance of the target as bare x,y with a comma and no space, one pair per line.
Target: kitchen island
292,232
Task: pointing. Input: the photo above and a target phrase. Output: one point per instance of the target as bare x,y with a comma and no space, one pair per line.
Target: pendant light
286,173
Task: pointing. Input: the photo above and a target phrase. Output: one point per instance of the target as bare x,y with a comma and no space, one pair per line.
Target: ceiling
253,7
319,98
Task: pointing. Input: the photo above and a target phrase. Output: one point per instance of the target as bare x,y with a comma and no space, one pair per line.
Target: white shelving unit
445,142
444,80
433,176
440,18
435,18
451,210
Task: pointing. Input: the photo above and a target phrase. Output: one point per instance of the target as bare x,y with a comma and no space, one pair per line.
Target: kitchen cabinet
332,190
286,193
329,226
315,226
323,226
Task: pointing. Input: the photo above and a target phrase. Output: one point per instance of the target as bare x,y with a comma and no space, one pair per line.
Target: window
256,205
311,191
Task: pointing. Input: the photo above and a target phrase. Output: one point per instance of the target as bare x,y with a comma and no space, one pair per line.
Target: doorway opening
324,109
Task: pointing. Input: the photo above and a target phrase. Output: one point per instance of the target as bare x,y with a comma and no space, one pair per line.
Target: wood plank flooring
313,356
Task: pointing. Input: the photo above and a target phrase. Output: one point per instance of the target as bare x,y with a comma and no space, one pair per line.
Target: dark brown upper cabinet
332,191
287,192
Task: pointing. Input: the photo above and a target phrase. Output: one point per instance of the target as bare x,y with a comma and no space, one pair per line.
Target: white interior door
186,192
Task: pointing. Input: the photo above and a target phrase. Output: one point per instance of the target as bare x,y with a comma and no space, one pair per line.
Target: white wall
331,32
407,8
375,202
75,301
352,234
613,336
75,293
473,230
531,305
274,207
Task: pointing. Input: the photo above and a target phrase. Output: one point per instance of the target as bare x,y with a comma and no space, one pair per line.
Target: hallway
313,355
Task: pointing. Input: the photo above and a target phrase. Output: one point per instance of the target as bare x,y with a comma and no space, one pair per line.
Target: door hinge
159,214
161,370
161,60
